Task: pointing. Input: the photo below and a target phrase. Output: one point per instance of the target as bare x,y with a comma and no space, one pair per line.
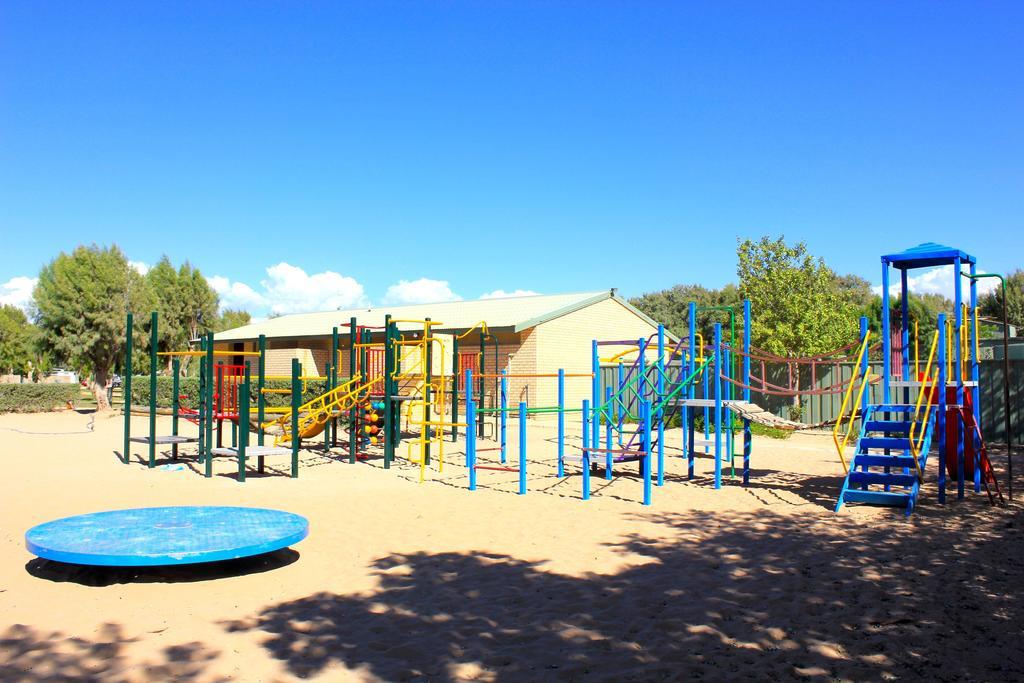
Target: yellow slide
314,415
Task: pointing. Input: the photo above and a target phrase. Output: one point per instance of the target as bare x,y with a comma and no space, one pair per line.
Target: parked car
63,376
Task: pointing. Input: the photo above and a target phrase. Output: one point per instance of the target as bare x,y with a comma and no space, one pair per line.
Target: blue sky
312,155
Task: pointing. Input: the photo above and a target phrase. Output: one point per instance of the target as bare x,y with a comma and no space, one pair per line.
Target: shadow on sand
96,576
756,595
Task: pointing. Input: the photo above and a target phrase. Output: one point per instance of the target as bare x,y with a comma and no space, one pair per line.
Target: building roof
927,255
513,314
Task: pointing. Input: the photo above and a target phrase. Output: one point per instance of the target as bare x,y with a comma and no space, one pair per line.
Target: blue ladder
882,471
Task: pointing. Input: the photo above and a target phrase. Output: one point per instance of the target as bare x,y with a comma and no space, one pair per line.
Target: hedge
189,386
35,398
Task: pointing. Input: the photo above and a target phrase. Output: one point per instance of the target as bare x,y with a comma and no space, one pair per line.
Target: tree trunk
99,390
796,411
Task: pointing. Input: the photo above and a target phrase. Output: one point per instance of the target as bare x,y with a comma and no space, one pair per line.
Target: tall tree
798,310
230,319
991,305
15,341
81,301
671,306
183,298
198,302
163,283
854,290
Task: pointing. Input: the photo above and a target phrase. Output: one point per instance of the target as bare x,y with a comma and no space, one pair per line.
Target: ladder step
701,443
895,408
876,497
888,426
882,478
892,443
878,460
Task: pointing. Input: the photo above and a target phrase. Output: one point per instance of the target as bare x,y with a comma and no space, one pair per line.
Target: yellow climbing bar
864,375
923,405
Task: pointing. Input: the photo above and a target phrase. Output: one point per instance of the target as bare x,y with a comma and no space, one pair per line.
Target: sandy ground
400,580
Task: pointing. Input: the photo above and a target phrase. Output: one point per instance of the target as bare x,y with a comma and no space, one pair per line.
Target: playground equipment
938,400
165,535
224,396
637,409
502,411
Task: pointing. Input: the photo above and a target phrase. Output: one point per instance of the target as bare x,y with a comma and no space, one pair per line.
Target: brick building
536,334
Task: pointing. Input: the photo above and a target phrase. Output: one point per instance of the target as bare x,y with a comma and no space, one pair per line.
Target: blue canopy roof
927,255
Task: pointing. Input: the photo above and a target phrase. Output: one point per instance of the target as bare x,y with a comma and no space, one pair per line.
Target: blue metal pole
940,420
726,411
608,433
585,461
504,414
975,375
522,448
620,415
747,437
661,407
718,405
691,392
645,415
905,333
561,423
470,432
595,368
886,339
958,372
707,410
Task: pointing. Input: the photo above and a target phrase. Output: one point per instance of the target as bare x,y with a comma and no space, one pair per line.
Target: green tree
671,307
163,283
198,302
81,302
183,299
991,305
797,308
231,318
854,290
15,341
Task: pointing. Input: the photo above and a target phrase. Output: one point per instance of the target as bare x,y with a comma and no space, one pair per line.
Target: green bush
34,398
189,387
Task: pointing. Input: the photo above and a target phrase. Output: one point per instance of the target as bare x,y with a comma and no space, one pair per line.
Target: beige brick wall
565,343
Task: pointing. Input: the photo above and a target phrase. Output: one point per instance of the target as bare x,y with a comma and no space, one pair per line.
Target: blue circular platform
165,535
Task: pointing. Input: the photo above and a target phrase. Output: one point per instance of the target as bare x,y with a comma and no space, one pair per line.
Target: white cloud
502,294
236,294
937,280
422,291
290,289
140,266
18,292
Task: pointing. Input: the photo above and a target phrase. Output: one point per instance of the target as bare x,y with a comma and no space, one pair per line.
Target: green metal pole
352,443
219,378
201,402
481,401
243,422
428,357
175,403
210,379
455,388
1006,381
327,425
153,338
127,388
296,400
333,383
261,401
389,418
